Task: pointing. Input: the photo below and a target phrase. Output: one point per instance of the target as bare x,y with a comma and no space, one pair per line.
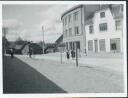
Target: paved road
19,77
25,75
82,79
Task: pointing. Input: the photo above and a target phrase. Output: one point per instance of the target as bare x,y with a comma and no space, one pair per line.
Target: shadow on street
19,77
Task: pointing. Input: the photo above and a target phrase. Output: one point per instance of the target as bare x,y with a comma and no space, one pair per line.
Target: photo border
67,94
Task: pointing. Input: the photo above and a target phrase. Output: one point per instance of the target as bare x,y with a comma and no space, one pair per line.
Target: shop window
102,45
90,45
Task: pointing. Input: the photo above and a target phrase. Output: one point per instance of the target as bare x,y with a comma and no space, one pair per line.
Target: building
84,27
37,49
49,48
73,26
104,30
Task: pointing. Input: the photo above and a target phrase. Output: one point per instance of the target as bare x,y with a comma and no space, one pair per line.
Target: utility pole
43,39
5,31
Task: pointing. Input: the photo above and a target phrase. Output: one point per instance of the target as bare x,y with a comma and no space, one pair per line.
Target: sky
26,21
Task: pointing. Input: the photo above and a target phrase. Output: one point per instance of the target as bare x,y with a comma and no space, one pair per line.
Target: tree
19,41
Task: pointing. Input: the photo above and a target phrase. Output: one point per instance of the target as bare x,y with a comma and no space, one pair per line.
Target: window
76,16
69,18
102,14
103,27
70,43
76,30
102,45
70,31
90,45
91,29
65,20
118,24
78,44
66,33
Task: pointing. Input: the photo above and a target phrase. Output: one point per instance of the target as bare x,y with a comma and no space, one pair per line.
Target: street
18,77
32,75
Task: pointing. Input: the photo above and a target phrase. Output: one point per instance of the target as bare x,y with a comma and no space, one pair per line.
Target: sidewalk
113,62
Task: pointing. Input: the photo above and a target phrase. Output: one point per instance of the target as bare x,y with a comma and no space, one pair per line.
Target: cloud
29,25
12,23
51,20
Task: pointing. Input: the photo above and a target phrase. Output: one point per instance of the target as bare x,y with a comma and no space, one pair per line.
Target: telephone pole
43,39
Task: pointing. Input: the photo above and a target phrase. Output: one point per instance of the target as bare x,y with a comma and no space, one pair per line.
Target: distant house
50,47
37,49
18,48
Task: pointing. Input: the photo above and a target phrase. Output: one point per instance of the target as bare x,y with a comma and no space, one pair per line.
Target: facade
93,28
104,32
73,26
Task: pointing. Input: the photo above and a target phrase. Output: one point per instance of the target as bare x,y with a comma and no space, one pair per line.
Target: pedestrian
12,52
72,54
30,52
67,54
85,52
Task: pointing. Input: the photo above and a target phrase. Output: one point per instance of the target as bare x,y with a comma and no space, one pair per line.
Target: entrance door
96,45
115,41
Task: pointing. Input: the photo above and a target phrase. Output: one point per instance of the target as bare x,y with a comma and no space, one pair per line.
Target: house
104,29
50,47
93,28
18,48
37,49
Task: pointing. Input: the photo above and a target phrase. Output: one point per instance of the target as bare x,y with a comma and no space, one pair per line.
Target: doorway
96,45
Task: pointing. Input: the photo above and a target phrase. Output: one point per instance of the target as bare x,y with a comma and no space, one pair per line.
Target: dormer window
102,14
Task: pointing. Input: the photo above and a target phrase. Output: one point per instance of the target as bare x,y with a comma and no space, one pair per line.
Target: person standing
72,54
67,54
12,52
30,52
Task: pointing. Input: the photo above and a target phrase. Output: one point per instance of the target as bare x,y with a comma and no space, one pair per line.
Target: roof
18,47
115,10
59,39
89,19
73,8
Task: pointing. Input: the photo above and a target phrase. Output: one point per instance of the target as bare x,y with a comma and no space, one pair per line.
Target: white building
104,30
93,28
